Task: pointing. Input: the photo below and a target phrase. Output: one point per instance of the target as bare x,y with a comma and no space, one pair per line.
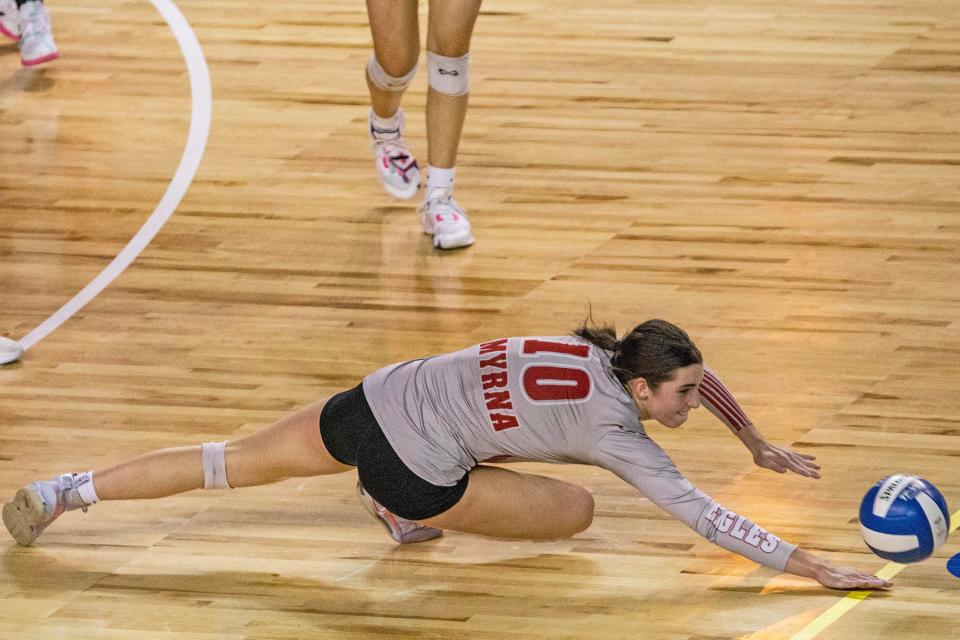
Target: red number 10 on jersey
556,382
542,383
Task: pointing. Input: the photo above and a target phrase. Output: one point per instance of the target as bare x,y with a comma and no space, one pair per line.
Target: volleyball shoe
9,20
36,36
400,529
445,220
396,168
10,350
38,504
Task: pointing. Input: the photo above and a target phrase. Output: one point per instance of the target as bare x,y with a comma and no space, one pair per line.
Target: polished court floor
781,179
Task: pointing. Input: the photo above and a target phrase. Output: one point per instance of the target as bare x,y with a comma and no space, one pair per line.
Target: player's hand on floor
849,578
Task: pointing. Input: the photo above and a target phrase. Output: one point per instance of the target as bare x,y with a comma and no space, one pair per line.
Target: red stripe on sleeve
723,403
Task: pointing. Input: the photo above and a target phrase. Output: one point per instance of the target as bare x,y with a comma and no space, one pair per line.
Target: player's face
670,403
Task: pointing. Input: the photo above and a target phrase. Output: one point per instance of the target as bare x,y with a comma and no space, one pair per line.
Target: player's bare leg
396,45
449,31
290,448
507,504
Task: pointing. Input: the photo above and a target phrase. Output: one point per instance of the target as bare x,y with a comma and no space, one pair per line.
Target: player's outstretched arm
720,402
779,459
803,563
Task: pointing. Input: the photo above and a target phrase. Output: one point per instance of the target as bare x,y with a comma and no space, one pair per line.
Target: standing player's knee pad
450,76
383,80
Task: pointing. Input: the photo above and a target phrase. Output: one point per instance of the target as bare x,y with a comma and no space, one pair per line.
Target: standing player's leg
449,30
290,448
396,47
507,504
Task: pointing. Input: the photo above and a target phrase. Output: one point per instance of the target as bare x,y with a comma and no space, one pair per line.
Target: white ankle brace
438,178
379,124
214,465
83,483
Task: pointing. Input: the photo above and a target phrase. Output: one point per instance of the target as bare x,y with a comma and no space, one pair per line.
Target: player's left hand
849,578
781,460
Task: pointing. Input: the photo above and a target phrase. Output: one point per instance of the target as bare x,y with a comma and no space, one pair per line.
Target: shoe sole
422,534
13,36
36,61
405,194
453,242
18,514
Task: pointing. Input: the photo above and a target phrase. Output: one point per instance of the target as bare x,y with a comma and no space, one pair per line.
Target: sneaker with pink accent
9,19
445,220
400,529
397,169
36,36
38,504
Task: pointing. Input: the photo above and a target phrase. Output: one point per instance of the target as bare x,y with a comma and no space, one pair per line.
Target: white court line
189,162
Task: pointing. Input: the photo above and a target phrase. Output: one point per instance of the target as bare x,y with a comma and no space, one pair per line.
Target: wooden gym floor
779,178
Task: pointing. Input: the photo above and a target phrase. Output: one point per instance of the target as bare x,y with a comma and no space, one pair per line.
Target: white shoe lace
398,157
393,149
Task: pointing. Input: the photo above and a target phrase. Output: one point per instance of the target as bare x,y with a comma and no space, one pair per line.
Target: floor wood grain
781,179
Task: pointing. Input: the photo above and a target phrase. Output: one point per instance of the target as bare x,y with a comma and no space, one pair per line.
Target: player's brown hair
654,350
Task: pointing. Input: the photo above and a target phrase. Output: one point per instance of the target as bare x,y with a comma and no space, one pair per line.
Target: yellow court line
854,598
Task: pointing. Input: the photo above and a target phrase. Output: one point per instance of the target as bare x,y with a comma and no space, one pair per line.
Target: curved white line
189,162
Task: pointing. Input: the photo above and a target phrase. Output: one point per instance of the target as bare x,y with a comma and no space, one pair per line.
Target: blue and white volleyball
904,518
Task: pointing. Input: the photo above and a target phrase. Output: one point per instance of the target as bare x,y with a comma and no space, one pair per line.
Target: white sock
385,125
438,178
84,485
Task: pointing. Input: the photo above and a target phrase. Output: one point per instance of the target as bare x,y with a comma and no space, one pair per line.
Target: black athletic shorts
352,435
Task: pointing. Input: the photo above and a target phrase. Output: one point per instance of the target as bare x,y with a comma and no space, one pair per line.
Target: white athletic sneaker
36,37
400,529
445,220
38,504
9,20
396,167
10,350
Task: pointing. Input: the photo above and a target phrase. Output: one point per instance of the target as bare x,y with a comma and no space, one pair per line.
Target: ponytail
604,336
652,351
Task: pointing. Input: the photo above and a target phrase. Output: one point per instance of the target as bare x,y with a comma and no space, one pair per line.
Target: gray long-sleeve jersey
551,399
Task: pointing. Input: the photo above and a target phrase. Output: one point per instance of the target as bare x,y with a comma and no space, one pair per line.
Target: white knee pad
450,76
214,465
383,80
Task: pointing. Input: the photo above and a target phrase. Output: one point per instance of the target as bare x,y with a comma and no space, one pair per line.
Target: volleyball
904,518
